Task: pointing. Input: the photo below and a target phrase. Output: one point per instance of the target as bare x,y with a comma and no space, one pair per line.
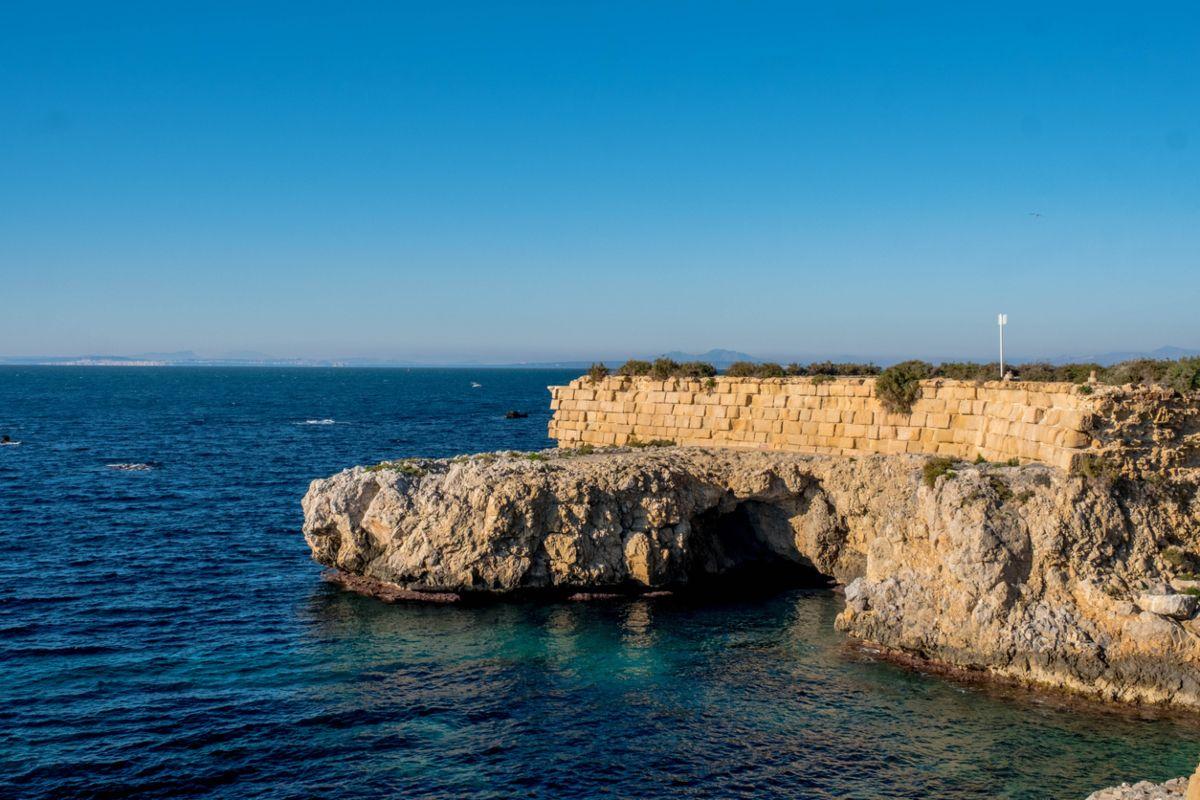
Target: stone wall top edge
617,381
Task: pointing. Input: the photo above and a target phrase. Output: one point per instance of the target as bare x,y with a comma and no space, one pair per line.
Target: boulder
1175,606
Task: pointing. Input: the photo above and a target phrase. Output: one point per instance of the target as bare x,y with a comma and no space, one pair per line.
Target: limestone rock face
1176,606
1023,572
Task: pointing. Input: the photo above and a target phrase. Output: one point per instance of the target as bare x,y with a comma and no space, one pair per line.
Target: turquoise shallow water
164,634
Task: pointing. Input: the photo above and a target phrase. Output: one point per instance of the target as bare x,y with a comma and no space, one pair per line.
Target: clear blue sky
501,181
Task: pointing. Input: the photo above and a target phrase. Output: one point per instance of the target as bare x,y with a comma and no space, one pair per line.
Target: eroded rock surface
1024,572
1144,790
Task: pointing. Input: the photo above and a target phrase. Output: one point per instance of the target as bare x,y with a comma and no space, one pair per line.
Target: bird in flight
1034,214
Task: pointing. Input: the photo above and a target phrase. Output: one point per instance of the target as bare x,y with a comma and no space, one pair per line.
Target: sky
537,181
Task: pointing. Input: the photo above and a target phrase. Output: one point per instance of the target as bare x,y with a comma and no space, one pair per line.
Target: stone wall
1046,422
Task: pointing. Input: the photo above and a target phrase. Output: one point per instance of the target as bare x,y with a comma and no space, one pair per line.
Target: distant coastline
718,358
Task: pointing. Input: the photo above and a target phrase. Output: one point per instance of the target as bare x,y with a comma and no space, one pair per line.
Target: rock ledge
1023,572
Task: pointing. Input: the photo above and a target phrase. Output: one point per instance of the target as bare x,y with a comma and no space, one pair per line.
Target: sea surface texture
163,632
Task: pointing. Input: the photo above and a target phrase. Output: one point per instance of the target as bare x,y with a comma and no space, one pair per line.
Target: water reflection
678,697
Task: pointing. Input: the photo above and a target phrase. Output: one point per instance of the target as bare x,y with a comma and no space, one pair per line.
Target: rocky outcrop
1144,790
1023,572
1176,789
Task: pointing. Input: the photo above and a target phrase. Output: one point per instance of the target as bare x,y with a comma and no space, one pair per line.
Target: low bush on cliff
1096,467
638,443
1178,557
935,468
405,467
899,386
597,372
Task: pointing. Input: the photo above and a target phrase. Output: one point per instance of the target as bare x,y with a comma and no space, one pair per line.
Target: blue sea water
163,632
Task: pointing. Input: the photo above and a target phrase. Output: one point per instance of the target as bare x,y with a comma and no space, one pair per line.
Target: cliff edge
1024,572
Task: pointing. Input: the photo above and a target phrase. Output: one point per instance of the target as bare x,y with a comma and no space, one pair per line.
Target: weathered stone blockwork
1046,422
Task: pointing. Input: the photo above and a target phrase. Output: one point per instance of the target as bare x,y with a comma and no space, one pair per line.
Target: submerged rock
1021,572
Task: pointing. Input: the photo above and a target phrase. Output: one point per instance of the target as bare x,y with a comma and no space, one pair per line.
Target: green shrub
1002,490
967,371
634,367
1138,372
695,369
770,369
1096,467
935,468
1038,371
1176,557
832,370
636,442
663,368
748,369
404,467
597,372
742,369
1076,373
1184,375
899,386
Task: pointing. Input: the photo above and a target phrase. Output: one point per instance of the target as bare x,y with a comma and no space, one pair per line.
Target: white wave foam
318,422
136,467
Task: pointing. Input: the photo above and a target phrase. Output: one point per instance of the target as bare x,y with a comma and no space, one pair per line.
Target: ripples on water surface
164,634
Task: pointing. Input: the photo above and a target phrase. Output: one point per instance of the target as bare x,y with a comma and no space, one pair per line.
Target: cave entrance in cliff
750,546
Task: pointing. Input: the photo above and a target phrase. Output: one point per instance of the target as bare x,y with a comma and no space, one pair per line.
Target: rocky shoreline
1028,573
1175,789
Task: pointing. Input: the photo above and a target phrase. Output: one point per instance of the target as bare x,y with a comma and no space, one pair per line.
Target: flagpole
1003,320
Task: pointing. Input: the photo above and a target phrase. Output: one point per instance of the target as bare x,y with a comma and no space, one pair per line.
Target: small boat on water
475,385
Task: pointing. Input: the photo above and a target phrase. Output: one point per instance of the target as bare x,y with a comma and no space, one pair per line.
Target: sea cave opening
750,547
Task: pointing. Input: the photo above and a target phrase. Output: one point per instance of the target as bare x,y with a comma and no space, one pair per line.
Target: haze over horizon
558,182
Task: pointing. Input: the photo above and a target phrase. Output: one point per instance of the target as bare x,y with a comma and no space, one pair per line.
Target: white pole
1003,320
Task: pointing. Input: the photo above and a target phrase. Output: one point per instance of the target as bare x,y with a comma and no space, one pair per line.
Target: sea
164,633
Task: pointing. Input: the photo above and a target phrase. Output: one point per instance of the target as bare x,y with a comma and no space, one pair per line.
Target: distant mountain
247,355
176,355
1167,353
718,358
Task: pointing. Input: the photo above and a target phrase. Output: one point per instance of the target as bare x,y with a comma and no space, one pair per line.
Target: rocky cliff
1024,572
